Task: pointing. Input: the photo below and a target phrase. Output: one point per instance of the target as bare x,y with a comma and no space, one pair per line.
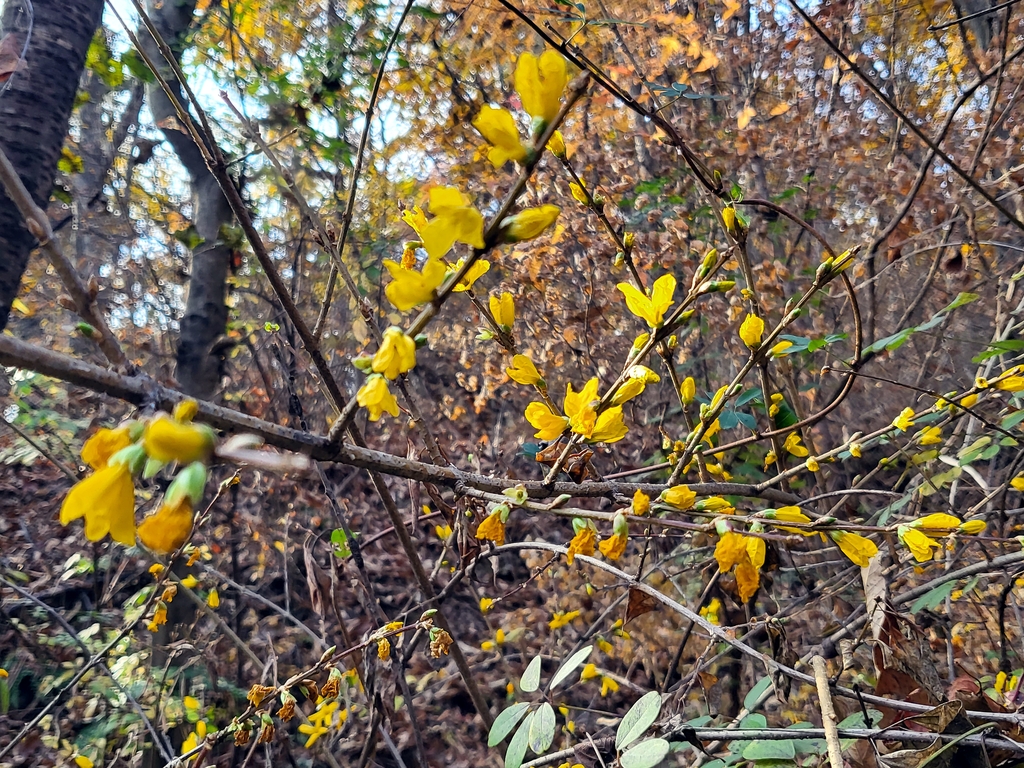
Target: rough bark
34,112
198,359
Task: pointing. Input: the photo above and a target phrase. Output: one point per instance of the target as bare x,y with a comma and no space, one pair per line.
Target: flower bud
190,483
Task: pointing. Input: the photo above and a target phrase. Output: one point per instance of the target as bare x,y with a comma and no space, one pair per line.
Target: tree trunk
198,360
34,112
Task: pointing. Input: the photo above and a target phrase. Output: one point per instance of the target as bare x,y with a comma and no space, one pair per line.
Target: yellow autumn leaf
744,117
779,109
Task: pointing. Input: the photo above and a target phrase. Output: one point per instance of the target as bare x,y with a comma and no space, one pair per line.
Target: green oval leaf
542,729
638,719
569,665
505,722
517,747
646,754
530,680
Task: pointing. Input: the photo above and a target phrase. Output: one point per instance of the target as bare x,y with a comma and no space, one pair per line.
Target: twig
828,712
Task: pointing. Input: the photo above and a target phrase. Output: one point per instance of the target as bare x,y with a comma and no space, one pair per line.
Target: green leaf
530,681
542,729
505,722
770,750
933,597
999,348
897,340
569,665
517,747
638,719
138,68
750,700
646,754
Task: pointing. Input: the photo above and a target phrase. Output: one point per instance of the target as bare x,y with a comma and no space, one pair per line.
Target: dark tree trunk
199,360
34,112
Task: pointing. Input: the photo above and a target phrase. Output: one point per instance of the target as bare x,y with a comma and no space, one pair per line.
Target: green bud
620,525
152,468
134,457
518,494
578,524
485,334
364,363
628,240
421,340
503,510
619,260
86,330
190,483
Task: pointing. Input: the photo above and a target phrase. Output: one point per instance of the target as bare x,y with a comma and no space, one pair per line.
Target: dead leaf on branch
11,46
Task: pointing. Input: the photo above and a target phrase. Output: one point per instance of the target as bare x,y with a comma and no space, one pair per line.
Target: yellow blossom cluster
106,497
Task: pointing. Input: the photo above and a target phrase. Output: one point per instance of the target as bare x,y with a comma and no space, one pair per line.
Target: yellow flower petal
101,446
540,82
857,548
408,287
503,309
938,521
492,529
582,543
730,550
919,544
549,426
679,496
751,331
523,371
397,354
499,128
530,223
479,268
614,546
376,397
168,440
168,528
905,420
106,499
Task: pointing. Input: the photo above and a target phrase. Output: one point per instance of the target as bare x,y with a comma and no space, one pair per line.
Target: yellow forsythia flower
475,272
560,619
650,309
791,515
614,546
397,354
185,410
106,499
168,528
529,223
549,425
688,390
855,450
455,221
641,503
168,440
972,527
730,550
1011,384
605,427
499,128
937,521
905,420
589,672
779,349
794,446
751,331
523,371
540,82
190,581
556,145
748,579
503,309
712,612
83,762
679,496
1017,483
485,604
812,464
376,398
930,436
313,731
608,685
582,543
919,544
856,547
492,529
408,287
713,504
98,449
